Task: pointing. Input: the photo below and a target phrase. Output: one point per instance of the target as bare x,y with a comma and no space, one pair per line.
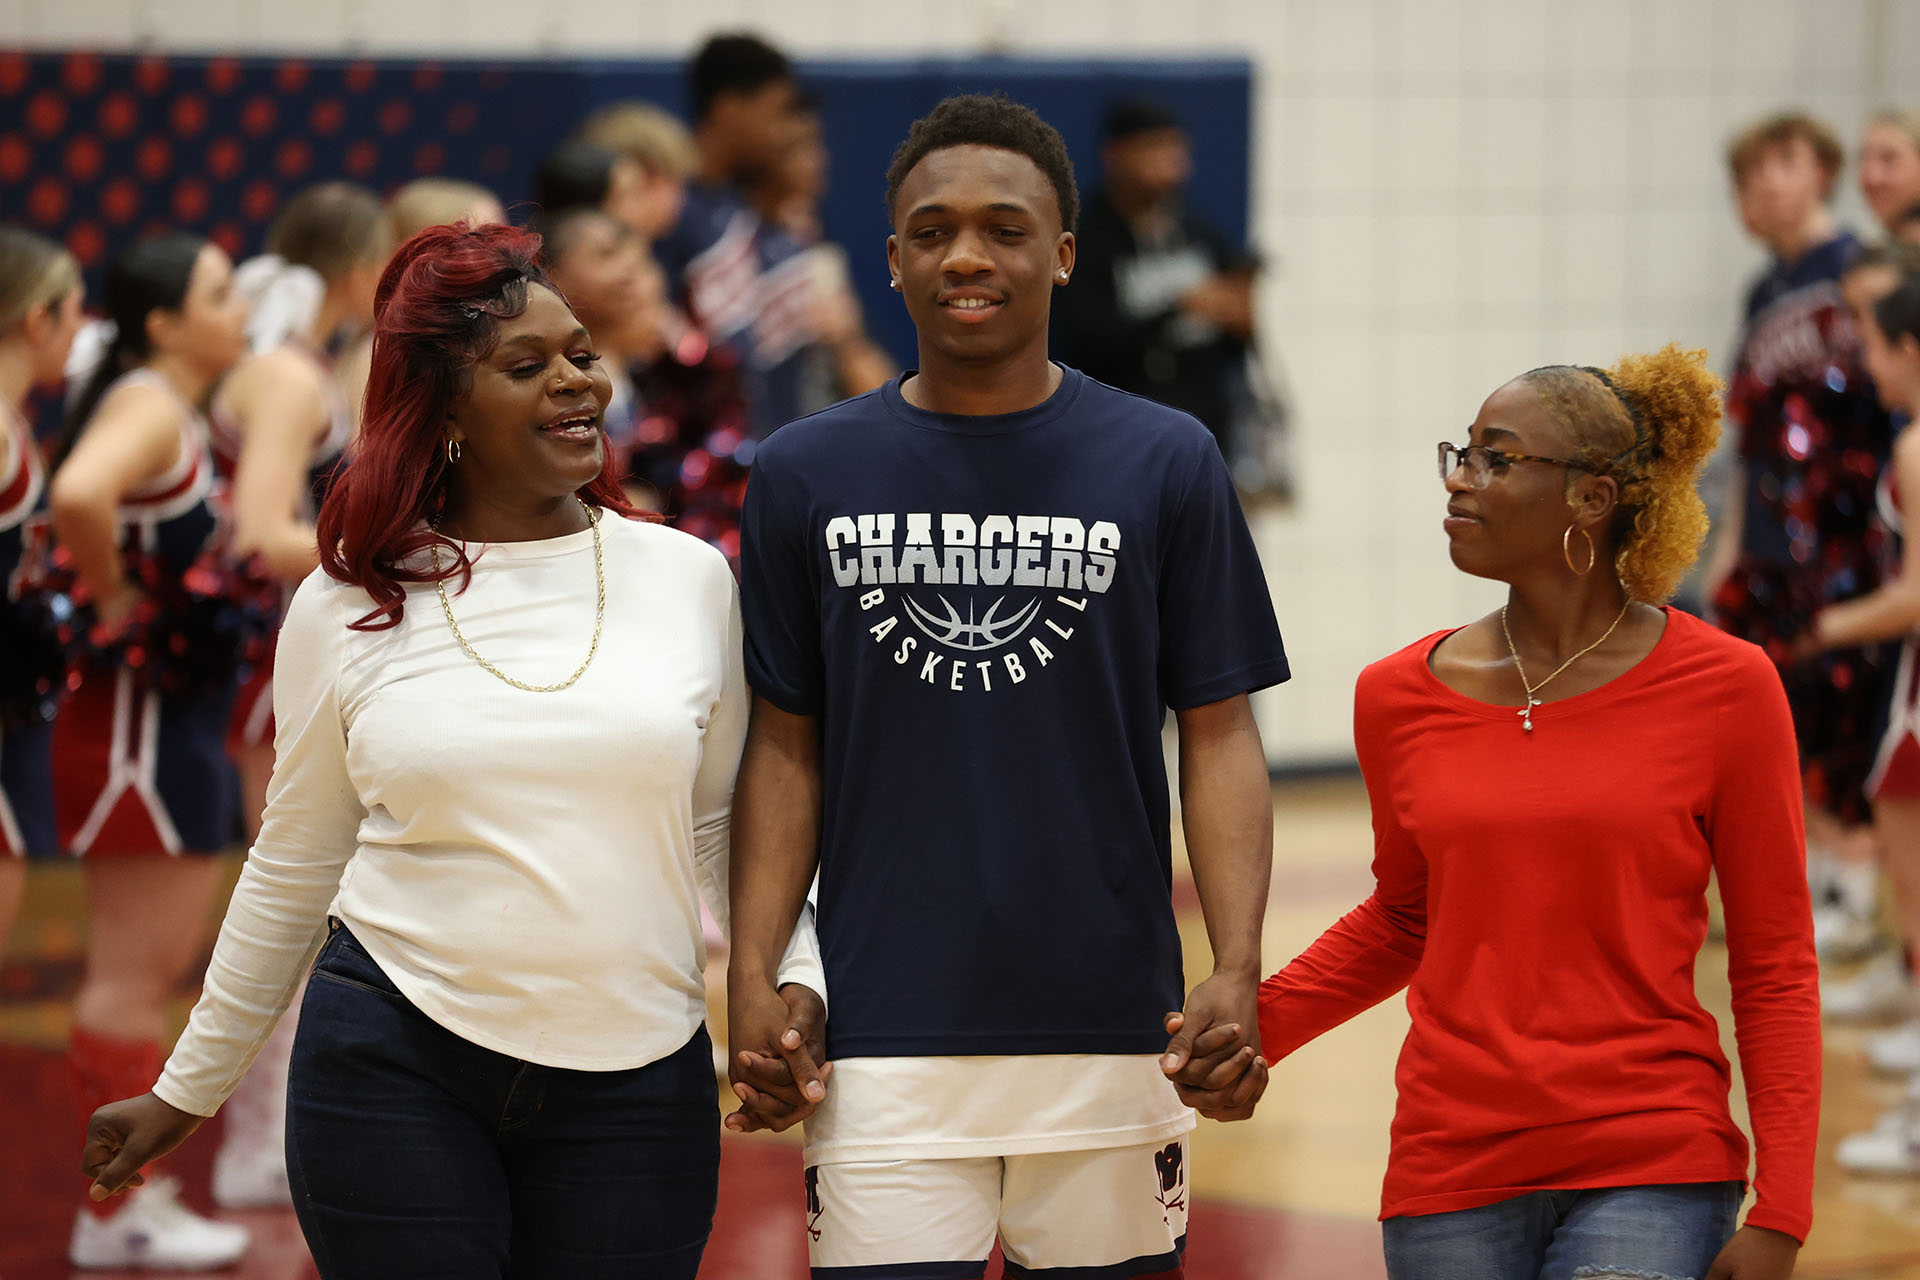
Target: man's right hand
124,1137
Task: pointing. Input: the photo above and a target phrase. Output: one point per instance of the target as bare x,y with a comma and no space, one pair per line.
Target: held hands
1212,1057
1756,1253
778,1040
124,1137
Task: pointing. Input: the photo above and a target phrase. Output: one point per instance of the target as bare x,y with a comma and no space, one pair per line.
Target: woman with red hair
492,835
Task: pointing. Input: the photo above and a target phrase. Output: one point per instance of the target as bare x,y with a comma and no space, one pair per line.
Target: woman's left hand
1756,1253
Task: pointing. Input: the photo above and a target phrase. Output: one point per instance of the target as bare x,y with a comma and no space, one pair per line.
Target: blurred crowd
1808,562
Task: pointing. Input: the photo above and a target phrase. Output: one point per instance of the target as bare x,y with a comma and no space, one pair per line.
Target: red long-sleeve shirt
1543,897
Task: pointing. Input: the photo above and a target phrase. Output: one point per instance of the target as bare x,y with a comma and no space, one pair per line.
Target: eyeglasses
1481,462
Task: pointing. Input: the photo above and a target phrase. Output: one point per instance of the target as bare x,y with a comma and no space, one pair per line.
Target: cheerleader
39,315
280,420
1890,332
143,786
281,423
1890,169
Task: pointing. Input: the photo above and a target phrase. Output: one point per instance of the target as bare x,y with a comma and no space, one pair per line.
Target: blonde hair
431,202
1907,122
651,136
1650,422
34,272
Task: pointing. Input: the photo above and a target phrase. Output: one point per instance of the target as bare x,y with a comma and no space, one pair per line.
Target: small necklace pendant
1526,714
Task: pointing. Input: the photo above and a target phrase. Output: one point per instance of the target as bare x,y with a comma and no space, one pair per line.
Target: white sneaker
1891,1148
1879,992
251,1175
1842,934
153,1231
1896,1052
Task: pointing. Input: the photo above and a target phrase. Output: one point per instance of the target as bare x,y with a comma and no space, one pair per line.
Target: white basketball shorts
1117,1212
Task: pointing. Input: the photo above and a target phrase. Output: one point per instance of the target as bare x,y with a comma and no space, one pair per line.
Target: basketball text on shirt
972,587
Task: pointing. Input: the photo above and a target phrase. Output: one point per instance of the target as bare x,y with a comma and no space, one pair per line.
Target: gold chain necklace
1526,712
599,613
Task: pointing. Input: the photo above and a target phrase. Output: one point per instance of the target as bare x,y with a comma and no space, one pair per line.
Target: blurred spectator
433,202
411,209
676,422
617,291
834,358
787,192
743,104
663,149
1890,170
585,175
1906,226
1160,304
1799,531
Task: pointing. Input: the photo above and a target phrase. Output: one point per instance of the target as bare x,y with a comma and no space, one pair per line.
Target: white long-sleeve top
524,866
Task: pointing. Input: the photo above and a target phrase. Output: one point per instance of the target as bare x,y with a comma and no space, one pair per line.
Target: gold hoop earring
453,450
1566,549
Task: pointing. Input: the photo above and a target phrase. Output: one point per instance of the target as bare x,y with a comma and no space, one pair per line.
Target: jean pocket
343,959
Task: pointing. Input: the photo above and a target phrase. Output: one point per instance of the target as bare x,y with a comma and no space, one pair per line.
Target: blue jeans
415,1154
1646,1233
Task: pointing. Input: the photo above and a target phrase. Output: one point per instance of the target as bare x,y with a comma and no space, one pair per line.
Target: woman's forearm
88,527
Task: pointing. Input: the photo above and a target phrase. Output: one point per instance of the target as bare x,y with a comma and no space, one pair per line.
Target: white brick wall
1455,191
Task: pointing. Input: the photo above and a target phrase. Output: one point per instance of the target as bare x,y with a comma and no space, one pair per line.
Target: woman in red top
1552,787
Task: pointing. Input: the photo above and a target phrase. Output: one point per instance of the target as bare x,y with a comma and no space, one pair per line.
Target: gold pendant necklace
599,613
1526,712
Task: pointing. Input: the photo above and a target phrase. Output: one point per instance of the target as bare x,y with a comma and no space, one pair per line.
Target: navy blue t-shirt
990,617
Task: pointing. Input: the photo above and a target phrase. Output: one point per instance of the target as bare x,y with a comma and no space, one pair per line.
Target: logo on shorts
813,1202
1167,1163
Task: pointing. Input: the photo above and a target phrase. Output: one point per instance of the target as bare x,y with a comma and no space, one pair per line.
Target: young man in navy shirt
970,598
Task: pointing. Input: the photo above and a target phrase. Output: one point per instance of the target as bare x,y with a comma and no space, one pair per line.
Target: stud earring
894,284
1062,275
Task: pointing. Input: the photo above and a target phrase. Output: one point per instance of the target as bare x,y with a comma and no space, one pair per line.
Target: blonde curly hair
1650,422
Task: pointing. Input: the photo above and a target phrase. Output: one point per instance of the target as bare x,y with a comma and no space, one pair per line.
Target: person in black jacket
1160,304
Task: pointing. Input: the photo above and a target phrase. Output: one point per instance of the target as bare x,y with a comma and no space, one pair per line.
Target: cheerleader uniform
1896,768
253,705
140,760
31,680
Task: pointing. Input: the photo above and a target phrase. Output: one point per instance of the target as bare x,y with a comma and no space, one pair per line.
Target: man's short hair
976,120
1131,117
733,63
1782,130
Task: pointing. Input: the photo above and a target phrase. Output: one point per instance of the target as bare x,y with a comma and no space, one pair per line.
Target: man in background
1161,304
743,94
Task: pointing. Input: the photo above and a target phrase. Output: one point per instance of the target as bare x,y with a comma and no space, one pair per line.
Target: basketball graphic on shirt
964,601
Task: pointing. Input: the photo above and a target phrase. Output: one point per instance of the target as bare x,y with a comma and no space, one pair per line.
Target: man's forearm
776,839
1227,814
